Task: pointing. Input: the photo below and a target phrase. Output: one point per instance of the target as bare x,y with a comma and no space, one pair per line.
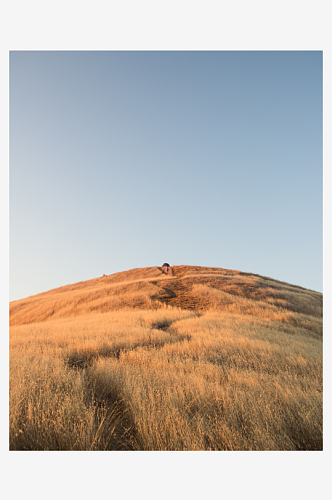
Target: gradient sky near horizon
121,160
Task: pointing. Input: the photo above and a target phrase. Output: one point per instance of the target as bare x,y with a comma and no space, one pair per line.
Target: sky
128,159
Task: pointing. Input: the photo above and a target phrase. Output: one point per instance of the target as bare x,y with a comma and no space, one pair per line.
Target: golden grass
241,371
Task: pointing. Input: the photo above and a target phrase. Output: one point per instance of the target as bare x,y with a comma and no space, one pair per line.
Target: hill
200,358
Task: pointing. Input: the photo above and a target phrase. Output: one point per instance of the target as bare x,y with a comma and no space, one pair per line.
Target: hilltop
185,287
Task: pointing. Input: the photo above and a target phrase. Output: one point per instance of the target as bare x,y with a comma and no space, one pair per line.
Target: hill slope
185,287
198,359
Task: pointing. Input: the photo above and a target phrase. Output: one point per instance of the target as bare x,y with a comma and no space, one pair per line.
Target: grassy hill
200,358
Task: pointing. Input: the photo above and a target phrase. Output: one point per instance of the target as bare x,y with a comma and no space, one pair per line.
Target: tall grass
244,374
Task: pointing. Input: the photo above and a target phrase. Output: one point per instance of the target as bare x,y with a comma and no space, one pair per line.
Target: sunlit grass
244,373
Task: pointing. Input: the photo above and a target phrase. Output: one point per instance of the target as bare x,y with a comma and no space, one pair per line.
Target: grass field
198,359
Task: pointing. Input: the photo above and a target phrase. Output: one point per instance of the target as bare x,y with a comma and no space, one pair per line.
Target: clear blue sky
121,160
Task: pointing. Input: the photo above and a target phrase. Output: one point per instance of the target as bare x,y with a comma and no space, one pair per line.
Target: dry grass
201,359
